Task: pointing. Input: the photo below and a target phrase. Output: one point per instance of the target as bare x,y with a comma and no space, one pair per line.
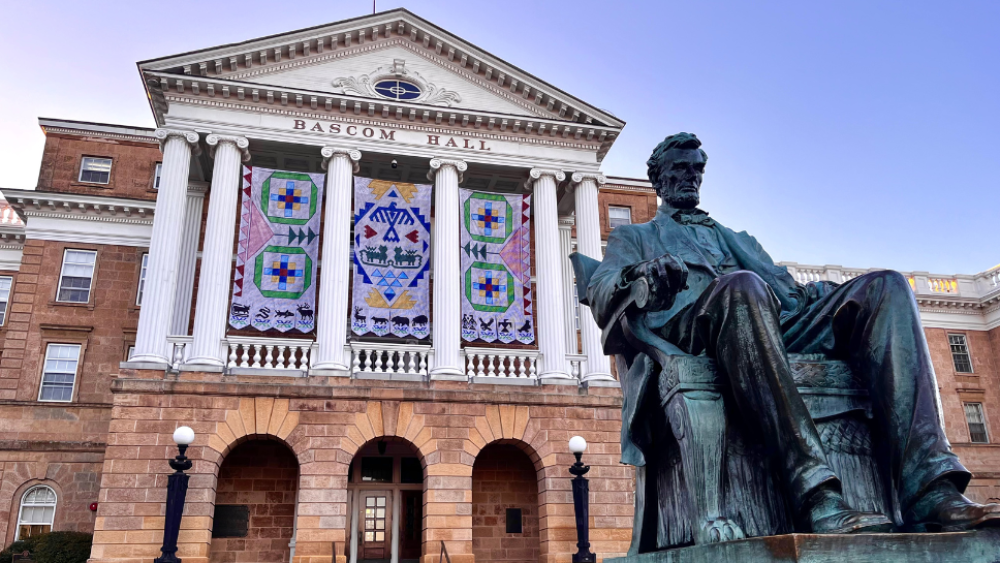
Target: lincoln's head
675,169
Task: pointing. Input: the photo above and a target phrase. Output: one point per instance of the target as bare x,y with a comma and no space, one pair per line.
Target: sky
858,133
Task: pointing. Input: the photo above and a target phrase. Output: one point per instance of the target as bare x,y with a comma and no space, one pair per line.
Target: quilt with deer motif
391,258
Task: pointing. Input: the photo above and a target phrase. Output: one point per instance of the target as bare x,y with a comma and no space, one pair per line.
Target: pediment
366,73
345,57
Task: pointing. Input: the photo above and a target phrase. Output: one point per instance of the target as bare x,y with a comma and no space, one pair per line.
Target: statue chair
707,478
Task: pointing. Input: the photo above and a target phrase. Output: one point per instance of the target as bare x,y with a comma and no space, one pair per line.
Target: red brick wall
503,477
981,386
642,204
104,327
132,168
263,475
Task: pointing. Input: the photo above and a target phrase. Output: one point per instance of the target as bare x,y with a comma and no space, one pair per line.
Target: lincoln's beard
683,200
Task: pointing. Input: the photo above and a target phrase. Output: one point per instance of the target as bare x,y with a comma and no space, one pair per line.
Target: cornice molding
81,207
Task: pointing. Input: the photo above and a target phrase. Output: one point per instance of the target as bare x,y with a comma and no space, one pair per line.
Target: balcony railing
288,354
372,359
501,365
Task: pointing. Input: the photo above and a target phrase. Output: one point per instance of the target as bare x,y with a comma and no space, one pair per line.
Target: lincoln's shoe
828,513
944,509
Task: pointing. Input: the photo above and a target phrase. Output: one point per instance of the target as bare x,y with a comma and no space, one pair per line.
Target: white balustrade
943,285
268,353
386,360
502,364
806,275
180,346
577,365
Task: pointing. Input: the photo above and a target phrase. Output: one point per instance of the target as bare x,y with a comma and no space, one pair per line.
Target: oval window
397,90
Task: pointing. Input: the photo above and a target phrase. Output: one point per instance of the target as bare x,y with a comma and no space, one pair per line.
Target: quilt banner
275,283
496,267
392,231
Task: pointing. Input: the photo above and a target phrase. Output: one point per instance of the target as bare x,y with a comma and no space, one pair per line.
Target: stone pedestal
982,546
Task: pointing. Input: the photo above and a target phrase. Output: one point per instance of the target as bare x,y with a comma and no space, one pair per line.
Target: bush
54,547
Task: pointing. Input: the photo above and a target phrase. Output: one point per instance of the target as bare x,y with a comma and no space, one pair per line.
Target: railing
268,353
577,363
180,346
376,358
806,275
942,285
501,363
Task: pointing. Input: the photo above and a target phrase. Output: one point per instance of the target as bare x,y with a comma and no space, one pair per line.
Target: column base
445,373
330,370
203,363
557,378
132,364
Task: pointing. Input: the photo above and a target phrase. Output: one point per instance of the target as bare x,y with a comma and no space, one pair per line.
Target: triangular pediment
375,73
351,56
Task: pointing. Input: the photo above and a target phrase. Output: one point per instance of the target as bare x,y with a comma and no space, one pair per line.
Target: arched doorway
254,519
386,499
504,506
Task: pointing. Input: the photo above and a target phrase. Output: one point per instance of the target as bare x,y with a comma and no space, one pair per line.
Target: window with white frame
156,175
59,375
960,353
77,276
5,284
38,510
618,216
142,279
95,170
977,423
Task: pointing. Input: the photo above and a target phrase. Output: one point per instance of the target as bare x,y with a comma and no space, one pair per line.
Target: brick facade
483,448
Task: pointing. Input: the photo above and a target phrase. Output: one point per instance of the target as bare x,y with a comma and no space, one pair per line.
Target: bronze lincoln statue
684,286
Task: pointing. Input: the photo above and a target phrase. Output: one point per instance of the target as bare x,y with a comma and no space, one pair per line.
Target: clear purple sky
860,133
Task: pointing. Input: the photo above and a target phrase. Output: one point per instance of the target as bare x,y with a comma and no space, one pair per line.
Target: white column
569,304
447,265
335,272
211,314
164,247
396,527
188,260
353,540
549,320
588,243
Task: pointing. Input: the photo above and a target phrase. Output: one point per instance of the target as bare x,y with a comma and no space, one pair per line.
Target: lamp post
177,486
581,502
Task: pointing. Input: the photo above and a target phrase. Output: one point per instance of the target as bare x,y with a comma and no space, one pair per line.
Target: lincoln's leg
877,328
736,321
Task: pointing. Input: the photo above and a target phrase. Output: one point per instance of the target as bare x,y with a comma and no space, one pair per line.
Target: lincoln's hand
666,276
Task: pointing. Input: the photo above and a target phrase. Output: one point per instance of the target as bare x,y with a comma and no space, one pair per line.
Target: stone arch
505,507
256,417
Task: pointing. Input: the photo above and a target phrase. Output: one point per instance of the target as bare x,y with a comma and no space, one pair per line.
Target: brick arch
256,418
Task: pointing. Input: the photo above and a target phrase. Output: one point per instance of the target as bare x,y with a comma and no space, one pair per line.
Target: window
95,170
618,216
977,423
156,176
410,470
38,509
397,90
376,469
142,279
77,276
960,353
59,376
5,283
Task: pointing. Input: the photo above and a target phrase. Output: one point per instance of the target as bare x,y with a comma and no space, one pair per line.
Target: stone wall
503,477
325,422
262,475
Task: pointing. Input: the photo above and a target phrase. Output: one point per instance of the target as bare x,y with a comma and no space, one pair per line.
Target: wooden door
376,522
410,523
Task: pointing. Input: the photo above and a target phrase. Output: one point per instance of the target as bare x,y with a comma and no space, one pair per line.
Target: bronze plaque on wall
231,521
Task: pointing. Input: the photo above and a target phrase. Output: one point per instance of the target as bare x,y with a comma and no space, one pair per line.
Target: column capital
163,134
241,143
329,153
536,174
438,163
580,177
567,222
